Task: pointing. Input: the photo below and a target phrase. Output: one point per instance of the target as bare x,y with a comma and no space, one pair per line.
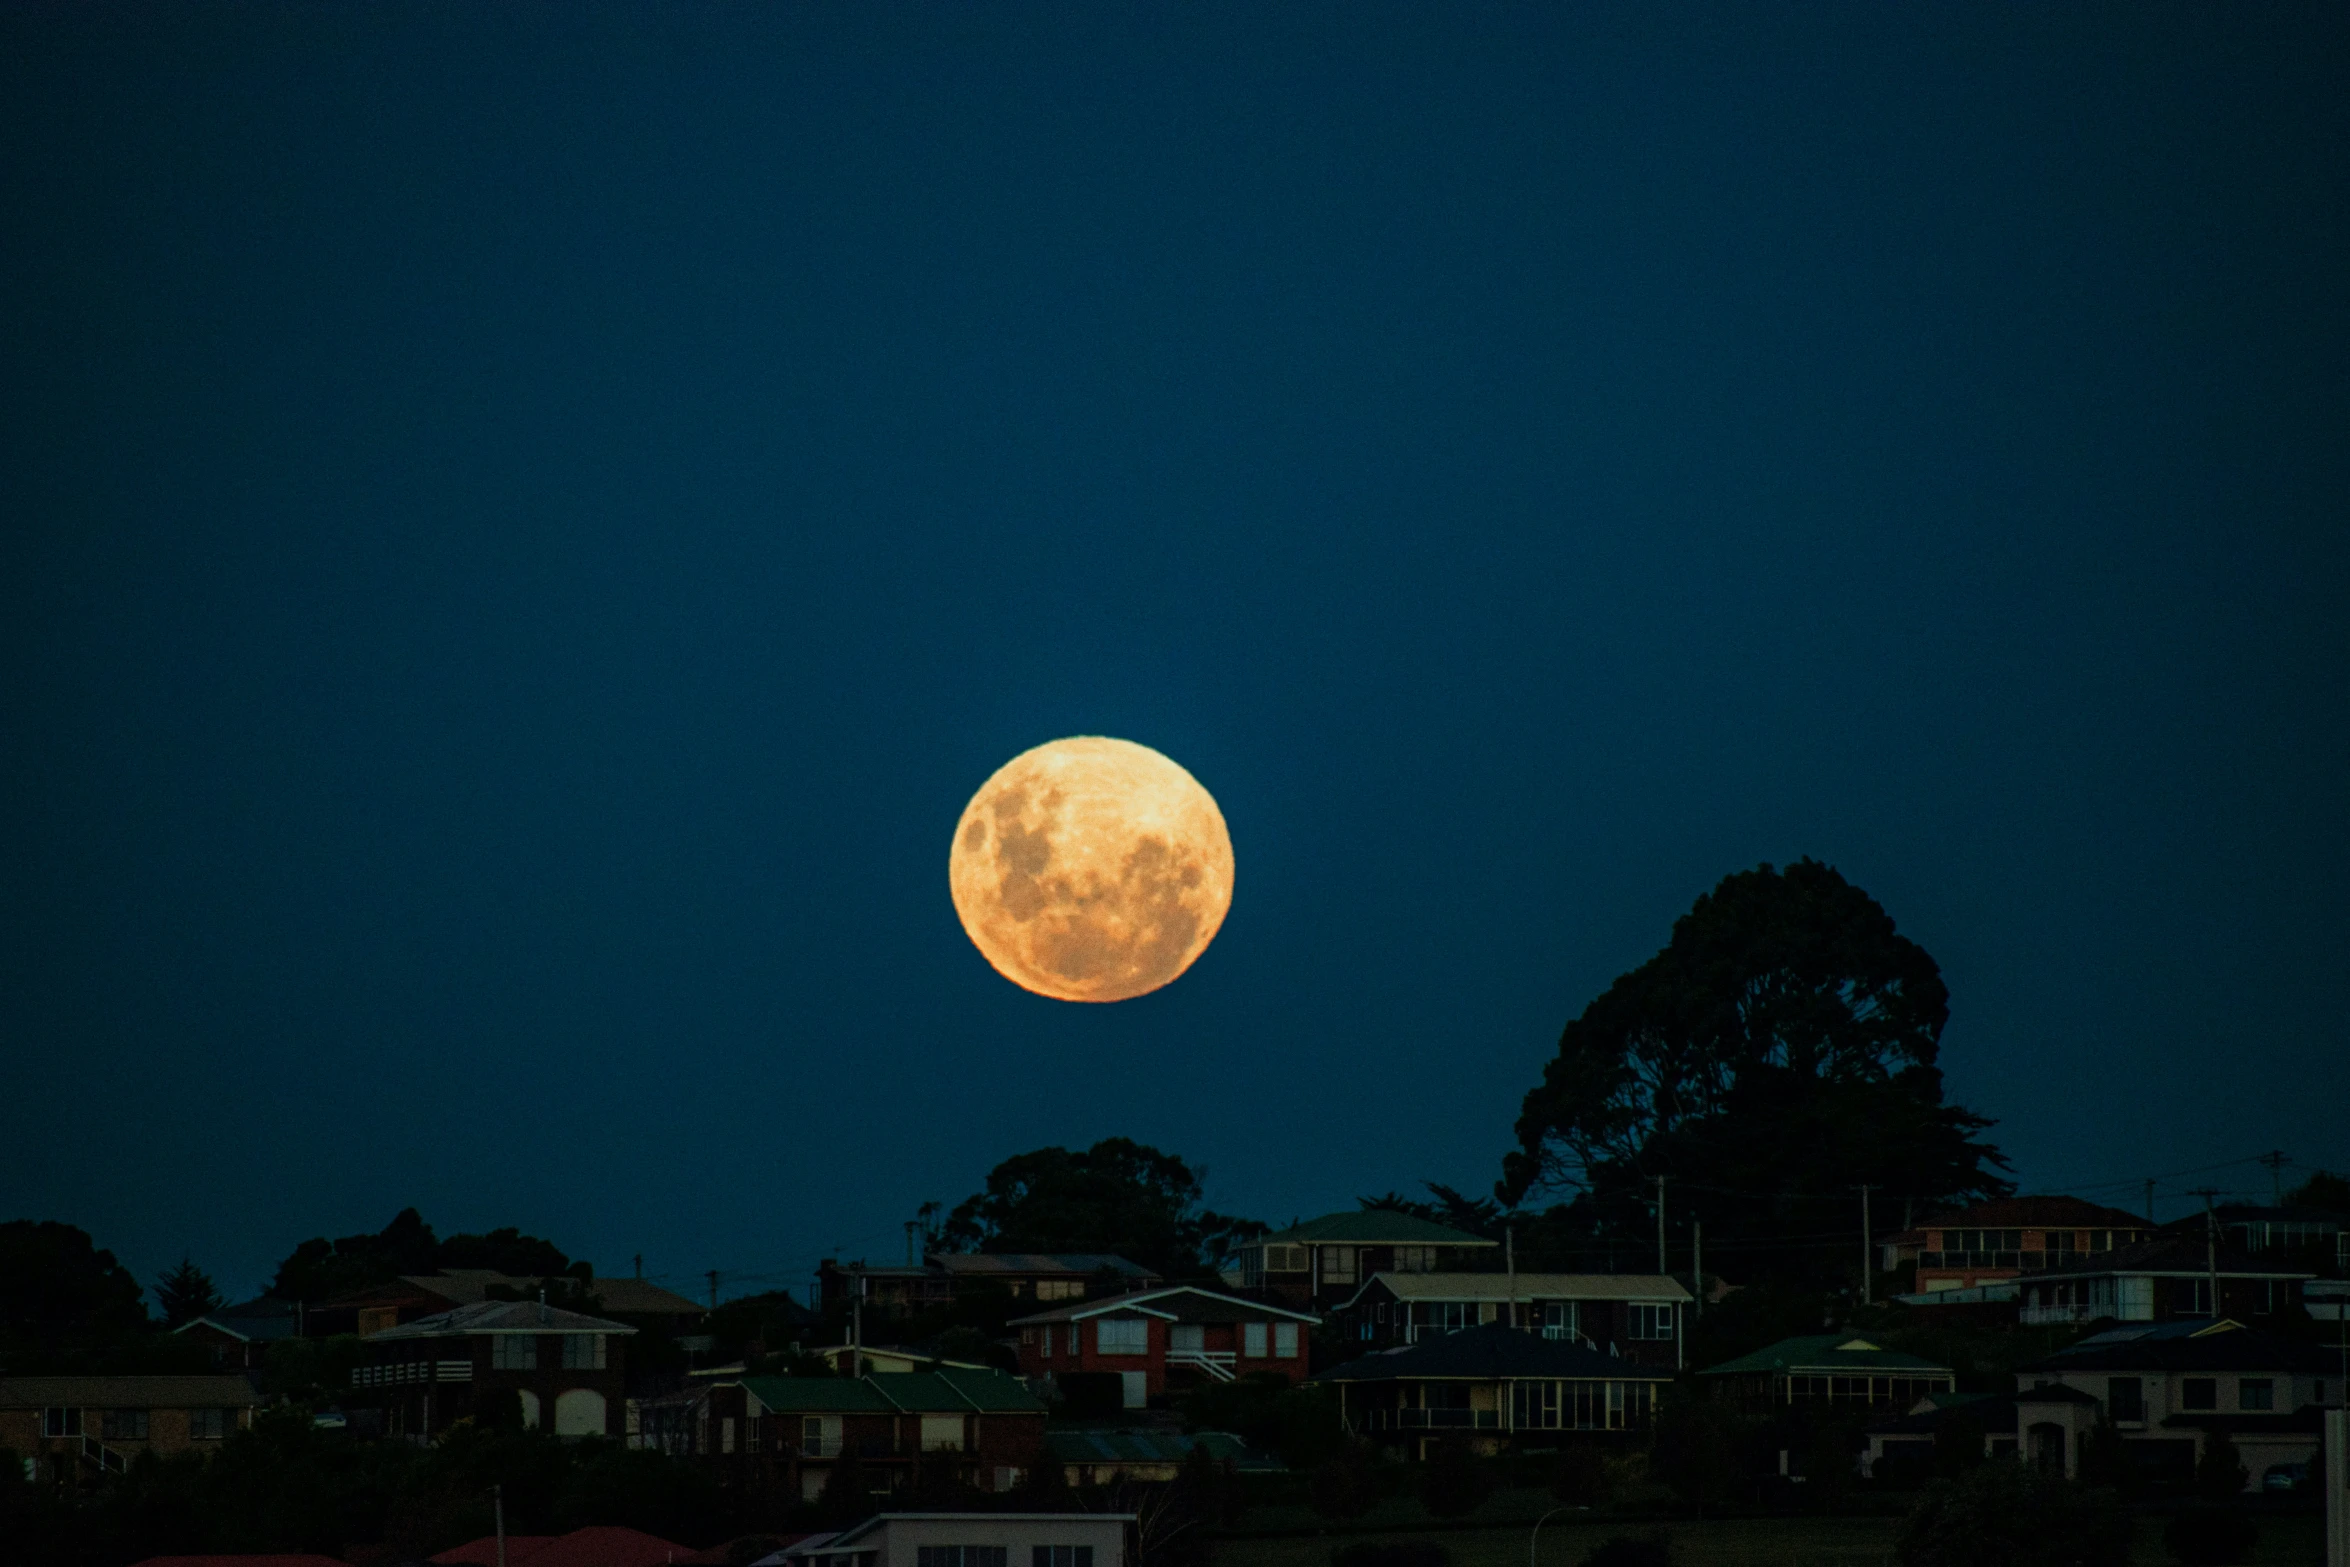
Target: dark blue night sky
522,526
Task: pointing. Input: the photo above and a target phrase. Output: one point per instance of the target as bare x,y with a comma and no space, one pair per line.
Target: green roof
893,1392
1374,1227
792,1395
1824,1352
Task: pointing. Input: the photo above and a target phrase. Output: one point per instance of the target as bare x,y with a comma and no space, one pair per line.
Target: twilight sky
521,528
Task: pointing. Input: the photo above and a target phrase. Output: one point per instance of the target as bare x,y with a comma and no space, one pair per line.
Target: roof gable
1174,1303
1831,1353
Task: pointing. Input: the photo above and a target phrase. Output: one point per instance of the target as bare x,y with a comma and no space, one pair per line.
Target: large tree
1118,1196
62,1299
1779,1052
186,1293
320,1269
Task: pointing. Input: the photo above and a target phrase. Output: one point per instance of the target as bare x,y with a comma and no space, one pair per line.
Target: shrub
1628,1550
2210,1537
2220,1474
1582,1476
2010,1515
1343,1486
1456,1481
1392,1553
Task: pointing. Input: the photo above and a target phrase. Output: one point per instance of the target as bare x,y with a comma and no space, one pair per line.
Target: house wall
428,1406
168,1432
901,1539
1218,1338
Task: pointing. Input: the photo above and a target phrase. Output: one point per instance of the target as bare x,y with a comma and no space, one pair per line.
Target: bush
1392,1553
1456,1480
2210,1537
2220,1475
1344,1486
1630,1550
2009,1515
1582,1476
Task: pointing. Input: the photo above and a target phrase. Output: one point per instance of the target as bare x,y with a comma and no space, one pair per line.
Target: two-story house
75,1426
1318,1264
787,1435
1637,1317
888,1291
635,1302
1180,1334
1993,1242
1496,1386
566,1369
2168,1277
2168,1387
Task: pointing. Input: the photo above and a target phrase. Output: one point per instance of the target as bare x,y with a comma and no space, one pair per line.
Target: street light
1535,1538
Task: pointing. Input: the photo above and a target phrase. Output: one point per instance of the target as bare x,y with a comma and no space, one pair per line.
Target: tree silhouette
186,1293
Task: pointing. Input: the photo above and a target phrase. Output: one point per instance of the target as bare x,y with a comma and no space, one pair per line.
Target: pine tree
186,1293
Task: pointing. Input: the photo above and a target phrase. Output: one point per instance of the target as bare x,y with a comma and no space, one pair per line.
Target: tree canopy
320,1269
1778,1052
60,1296
186,1293
1118,1196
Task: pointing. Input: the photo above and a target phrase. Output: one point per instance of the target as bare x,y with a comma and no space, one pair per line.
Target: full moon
1091,869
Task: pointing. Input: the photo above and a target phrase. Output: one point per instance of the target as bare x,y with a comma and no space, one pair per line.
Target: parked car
2286,1477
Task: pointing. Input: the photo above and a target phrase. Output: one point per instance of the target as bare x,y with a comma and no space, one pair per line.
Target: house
786,1435
1821,1370
635,1302
1992,1242
239,1336
1090,1456
2316,1238
2167,1387
2165,1278
1494,1383
565,1368
890,1291
1900,1449
972,1540
1316,1265
1639,1317
74,1426
1183,1334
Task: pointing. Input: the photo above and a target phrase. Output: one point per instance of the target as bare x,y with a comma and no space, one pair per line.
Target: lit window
1338,1264
1122,1336
1285,1259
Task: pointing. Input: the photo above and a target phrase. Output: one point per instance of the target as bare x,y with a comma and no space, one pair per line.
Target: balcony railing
2045,1315
1217,1363
1449,1419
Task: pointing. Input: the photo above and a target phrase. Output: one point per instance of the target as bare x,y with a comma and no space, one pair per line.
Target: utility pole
2150,1202
712,1276
2210,1246
857,1330
911,1226
2276,1161
1868,1264
498,1506
1509,1252
1660,1222
1697,1265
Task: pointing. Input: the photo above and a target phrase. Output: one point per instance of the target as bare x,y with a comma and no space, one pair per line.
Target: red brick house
1993,1242
1182,1334
569,1370
2167,1278
1315,1265
89,1426
891,1291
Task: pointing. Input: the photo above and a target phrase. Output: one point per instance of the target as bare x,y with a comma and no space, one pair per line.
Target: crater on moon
1091,869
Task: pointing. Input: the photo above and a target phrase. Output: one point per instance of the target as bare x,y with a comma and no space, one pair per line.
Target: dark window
209,1425
61,1422
2256,1394
124,1425
1061,1556
2199,1393
962,1555
2125,1398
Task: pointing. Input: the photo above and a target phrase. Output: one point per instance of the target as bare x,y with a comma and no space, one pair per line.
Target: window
1285,1341
209,1425
1252,1341
1338,1264
962,1555
1431,1318
2191,1297
2125,1398
2257,1394
942,1433
1060,1289
124,1425
1044,1336
1415,1259
1556,1318
513,1352
820,1436
583,1351
61,1422
1062,1556
1285,1259
2199,1393
1122,1336
1649,1322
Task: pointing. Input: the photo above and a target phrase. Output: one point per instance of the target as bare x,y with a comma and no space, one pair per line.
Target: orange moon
1091,869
